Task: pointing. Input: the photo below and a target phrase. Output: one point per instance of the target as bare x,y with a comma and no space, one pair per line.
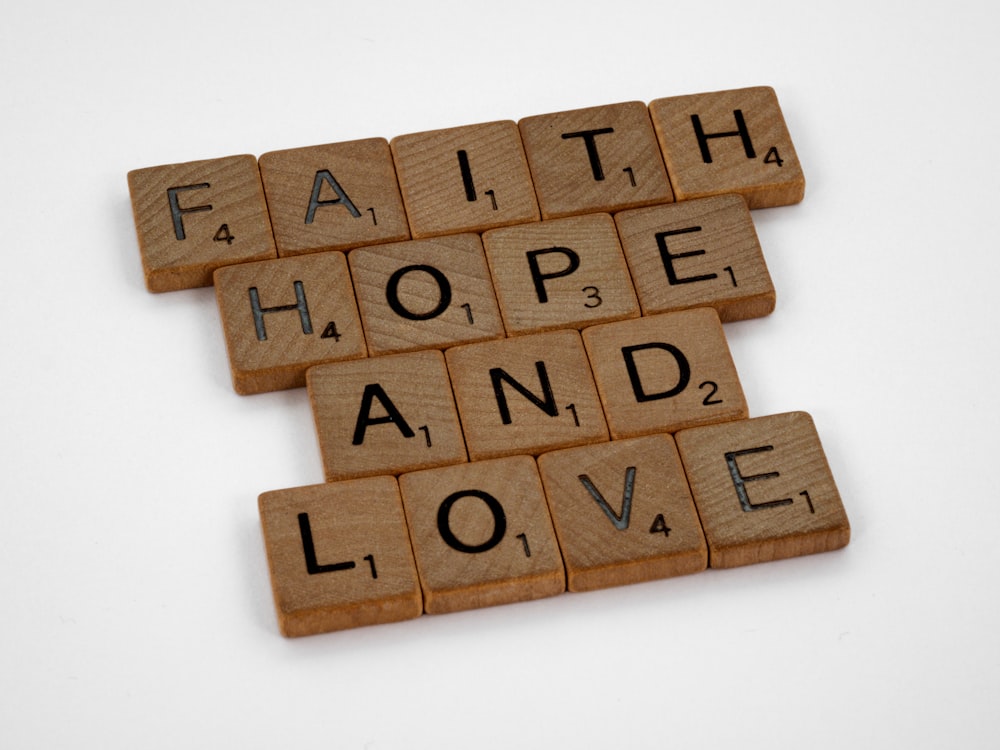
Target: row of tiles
284,315
384,549
197,216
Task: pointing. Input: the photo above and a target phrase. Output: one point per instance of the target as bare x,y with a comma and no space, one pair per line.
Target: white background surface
136,605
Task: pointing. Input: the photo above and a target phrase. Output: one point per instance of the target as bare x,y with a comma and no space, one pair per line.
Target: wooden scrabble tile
664,373
527,394
425,294
558,274
194,217
697,253
465,179
764,490
595,159
282,316
385,415
622,512
333,197
339,555
732,141
481,535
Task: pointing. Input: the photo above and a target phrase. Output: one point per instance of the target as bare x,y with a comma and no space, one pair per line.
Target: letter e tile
623,512
481,534
339,556
764,489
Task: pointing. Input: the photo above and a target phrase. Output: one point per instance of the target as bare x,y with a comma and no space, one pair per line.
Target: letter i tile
482,534
623,512
764,489
339,556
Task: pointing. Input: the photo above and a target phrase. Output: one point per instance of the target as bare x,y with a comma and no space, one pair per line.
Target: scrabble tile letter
339,556
729,142
481,535
464,179
764,489
651,532
664,372
333,197
195,217
282,316
385,415
596,159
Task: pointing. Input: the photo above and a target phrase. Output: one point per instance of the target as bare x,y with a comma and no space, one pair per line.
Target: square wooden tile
465,179
425,294
732,141
481,535
697,253
194,217
622,512
560,274
527,394
596,159
282,316
764,489
333,197
385,415
664,373
339,556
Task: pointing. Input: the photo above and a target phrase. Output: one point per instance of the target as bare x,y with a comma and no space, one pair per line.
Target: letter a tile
195,217
482,535
764,489
623,512
339,555
729,142
385,415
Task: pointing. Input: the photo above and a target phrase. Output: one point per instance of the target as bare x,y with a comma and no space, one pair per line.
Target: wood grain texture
526,394
764,489
424,294
732,141
697,253
333,197
565,273
385,415
195,217
623,512
595,159
481,535
347,564
465,179
664,373
271,349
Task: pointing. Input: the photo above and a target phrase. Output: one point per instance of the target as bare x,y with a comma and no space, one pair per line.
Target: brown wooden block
664,373
481,535
595,159
558,274
339,555
622,512
194,217
425,294
333,197
732,141
465,179
697,253
282,316
526,394
385,415
764,489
